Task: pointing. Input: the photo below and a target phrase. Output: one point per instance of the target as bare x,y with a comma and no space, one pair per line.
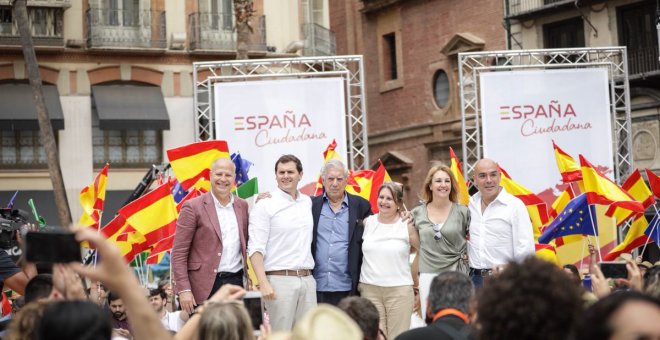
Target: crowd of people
327,268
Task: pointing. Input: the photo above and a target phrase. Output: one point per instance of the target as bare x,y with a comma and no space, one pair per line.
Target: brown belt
290,272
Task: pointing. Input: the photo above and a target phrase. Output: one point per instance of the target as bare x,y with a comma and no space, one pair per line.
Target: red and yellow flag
114,232
634,238
638,189
568,167
359,183
191,164
546,252
92,199
457,170
153,215
536,207
328,154
380,176
601,190
654,182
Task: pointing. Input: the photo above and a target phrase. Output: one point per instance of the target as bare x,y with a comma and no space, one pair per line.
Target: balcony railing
215,31
319,41
643,61
45,25
41,3
517,7
126,28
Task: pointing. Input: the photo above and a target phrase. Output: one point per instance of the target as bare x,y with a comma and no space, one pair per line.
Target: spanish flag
114,232
568,167
654,182
92,199
153,216
536,207
380,176
328,154
457,170
359,183
192,163
638,189
601,190
634,238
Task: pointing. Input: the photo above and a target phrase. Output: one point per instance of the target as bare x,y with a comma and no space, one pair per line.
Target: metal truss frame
350,68
614,59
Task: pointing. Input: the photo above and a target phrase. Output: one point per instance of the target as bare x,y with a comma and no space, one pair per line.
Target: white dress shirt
501,234
231,259
281,229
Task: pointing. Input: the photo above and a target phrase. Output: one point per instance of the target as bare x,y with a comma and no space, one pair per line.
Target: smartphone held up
254,305
52,246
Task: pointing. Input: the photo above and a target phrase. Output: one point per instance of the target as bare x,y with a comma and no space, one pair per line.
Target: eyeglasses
438,235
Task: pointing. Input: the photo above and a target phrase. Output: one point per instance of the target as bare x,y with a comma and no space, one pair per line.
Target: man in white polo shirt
280,239
500,228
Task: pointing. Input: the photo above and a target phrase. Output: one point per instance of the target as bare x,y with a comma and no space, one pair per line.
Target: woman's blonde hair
225,321
426,195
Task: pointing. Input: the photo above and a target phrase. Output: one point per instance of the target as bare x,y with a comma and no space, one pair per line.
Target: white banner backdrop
524,111
264,120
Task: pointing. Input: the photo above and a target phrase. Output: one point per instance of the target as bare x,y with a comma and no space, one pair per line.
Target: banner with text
523,111
264,120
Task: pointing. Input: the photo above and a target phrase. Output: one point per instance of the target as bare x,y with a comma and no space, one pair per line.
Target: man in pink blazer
210,242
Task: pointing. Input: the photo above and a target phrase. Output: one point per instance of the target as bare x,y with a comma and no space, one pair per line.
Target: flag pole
582,255
652,230
593,226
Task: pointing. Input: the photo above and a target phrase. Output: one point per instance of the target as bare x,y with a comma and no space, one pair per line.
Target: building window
389,56
127,148
441,88
222,15
22,149
564,34
638,33
123,13
44,21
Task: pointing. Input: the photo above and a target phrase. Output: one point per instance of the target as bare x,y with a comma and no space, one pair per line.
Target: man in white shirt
279,246
500,227
173,321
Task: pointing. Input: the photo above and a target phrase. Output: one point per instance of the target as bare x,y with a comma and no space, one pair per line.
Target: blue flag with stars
653,230
242,168
576,218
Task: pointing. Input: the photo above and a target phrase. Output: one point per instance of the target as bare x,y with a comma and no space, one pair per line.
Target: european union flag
178,193
576,218
653,230
242,168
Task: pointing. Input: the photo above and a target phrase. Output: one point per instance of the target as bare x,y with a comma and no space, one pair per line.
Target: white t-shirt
172,321
386,253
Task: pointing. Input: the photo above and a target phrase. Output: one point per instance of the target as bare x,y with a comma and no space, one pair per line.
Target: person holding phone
442,225
209,247
386,279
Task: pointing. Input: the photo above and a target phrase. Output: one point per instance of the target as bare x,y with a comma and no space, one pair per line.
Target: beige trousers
394,304
295,296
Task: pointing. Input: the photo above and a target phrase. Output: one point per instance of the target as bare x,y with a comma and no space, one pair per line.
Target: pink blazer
198,245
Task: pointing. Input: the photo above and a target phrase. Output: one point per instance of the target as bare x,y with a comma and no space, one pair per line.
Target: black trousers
224,278
331,298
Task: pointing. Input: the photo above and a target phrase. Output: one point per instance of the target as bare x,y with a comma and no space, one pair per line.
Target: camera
10,221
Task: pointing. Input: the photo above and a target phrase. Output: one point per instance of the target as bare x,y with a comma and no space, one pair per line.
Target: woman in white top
385,277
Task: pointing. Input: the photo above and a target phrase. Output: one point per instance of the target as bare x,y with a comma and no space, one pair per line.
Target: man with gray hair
447,309
337,238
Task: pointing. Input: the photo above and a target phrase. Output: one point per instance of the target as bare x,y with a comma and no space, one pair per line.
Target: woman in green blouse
443,227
